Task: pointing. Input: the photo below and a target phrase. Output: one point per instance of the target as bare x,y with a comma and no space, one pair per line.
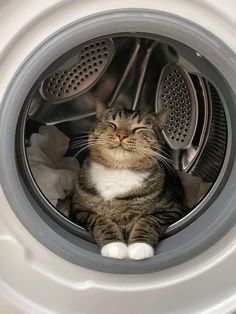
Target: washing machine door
48,264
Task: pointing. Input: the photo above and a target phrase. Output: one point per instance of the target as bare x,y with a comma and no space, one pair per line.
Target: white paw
115,250
140,251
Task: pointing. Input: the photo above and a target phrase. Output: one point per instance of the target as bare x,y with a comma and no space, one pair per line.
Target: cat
125,197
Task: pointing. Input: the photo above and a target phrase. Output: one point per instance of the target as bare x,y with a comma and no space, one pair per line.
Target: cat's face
126,139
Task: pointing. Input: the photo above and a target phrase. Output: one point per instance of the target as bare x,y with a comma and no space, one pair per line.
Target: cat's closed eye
140,129
112,125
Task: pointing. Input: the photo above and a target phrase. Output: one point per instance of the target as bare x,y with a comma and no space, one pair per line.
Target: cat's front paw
115,249
140,251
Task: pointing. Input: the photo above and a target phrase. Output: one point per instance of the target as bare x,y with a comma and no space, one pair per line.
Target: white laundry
54,174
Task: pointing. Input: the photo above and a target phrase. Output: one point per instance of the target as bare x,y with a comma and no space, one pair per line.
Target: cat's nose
121,136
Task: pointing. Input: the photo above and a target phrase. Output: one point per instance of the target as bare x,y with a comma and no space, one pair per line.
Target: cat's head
127,139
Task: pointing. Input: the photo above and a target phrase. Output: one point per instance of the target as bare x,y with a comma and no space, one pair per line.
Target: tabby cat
125,197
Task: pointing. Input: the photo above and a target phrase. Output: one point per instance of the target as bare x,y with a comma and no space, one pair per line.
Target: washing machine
55,57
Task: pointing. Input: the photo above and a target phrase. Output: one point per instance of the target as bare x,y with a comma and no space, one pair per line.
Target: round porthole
144,69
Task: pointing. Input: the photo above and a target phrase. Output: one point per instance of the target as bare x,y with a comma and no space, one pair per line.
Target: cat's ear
100,108
161,117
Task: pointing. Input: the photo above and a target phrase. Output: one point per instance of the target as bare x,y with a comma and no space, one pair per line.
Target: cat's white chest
111,183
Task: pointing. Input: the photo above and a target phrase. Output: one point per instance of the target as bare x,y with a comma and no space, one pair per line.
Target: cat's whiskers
147,156
74,142
88,144
83,134
147,153
160,152
80,137
166,161
156,156
164,157
82,149
79,143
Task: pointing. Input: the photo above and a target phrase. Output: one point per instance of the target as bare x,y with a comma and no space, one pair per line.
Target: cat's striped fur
135,212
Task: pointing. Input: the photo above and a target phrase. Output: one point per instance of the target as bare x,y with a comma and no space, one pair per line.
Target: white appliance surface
33,279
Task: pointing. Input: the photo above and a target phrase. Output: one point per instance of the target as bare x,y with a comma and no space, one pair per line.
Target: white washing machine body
36,280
